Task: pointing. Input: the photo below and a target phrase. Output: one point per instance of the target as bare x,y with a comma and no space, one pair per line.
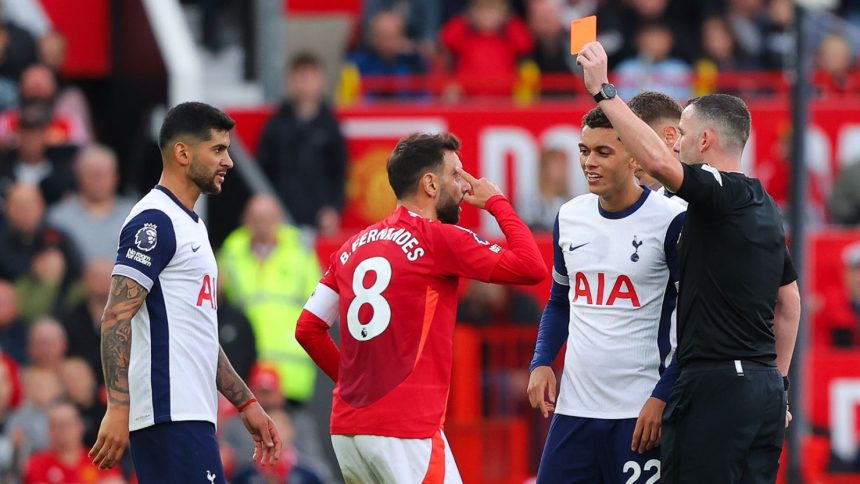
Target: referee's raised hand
595,66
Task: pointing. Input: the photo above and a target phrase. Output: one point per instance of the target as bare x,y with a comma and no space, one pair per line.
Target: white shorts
368,459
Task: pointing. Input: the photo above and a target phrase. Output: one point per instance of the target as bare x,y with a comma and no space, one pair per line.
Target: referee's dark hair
653,106
192,119
416,155
729,114
596,118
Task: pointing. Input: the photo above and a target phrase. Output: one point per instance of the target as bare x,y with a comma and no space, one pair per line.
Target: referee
738,303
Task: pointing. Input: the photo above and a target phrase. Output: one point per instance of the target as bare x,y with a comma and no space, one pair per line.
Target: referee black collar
627,211
170,194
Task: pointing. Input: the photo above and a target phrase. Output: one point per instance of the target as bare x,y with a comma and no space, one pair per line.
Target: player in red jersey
394,288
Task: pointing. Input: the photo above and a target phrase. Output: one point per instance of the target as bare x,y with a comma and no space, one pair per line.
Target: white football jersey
174,336
622,299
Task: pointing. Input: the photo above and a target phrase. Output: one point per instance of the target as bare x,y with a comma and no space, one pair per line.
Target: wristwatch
607,91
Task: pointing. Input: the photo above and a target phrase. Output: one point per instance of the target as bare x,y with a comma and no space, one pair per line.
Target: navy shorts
177,452
595,451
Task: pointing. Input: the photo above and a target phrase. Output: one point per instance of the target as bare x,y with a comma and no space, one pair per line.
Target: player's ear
707,139
182,153
670,134
430,184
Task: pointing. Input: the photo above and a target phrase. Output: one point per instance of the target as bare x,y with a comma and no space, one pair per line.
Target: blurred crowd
60,210
469,48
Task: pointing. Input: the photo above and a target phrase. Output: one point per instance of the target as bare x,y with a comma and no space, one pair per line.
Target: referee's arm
786,320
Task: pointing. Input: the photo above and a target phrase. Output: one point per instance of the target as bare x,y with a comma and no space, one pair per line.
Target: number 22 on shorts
370,295
637,471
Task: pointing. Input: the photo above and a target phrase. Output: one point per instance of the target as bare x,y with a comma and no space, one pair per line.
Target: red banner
503,143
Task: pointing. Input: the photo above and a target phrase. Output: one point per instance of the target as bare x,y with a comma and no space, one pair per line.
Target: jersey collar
170,194
627,211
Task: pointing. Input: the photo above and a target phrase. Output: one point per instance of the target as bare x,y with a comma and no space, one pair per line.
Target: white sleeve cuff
132,273
323,304
559,278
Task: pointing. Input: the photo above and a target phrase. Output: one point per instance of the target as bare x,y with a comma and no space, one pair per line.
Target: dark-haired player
394,288
738,303
612,300
162,361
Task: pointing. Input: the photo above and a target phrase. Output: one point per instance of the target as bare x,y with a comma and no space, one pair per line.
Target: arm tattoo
126,297
229,382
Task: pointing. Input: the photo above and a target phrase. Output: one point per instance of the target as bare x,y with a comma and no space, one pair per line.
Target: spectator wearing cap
840,316
94,216
40,260
33,161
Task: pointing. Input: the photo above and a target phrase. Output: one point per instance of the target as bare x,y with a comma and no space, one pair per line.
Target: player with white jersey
162,361
393,286
662,114
612,300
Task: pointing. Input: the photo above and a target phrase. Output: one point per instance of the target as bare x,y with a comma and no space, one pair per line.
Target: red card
582,31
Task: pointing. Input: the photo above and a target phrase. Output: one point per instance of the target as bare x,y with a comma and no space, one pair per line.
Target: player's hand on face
594,62
541,390
482,190
649,425
267,441
112,439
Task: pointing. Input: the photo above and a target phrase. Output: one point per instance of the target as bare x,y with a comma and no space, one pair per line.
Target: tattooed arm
125,299
229,382
267,442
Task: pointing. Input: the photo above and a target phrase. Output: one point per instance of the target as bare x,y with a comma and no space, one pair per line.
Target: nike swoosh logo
195,249
572,248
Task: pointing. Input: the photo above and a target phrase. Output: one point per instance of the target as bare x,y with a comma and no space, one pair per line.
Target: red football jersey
397,287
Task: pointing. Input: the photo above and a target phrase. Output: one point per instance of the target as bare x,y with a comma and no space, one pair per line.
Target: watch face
609,91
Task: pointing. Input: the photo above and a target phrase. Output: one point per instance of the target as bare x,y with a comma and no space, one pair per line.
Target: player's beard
204,179
448,210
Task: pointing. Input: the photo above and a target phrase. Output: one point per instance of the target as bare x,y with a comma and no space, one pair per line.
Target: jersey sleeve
705,187
147,243
460,252
670,245
555,319
789,273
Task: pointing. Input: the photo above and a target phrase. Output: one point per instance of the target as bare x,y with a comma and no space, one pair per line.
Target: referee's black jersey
733,260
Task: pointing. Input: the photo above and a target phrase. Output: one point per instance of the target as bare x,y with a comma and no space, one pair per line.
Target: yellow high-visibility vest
272,293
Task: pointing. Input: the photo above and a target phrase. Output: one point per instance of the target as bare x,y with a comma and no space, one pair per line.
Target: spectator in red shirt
485,44
66,459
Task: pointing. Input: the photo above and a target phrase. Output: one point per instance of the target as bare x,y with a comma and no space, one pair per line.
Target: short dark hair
729,114
195,119
415,155
652,106
304,59
596,118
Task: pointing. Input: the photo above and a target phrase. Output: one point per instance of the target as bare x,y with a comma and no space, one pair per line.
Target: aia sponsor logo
604,292
208,292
